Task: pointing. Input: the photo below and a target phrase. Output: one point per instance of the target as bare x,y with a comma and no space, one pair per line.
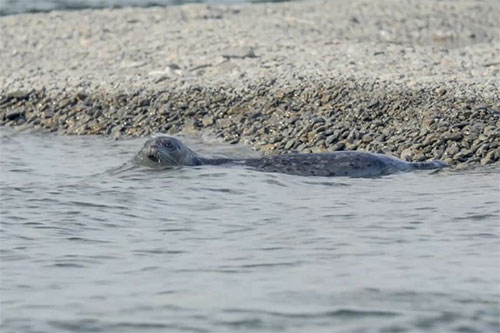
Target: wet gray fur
167,152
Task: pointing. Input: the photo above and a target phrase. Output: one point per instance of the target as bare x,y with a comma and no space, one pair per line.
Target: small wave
342,312
93,325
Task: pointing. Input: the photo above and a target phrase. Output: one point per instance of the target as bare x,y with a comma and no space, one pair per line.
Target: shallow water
9,7
91,245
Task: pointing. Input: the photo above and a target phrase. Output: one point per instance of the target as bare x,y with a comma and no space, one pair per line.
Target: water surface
9,7
91,245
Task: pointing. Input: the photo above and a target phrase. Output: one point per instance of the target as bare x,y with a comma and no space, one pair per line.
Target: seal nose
152,152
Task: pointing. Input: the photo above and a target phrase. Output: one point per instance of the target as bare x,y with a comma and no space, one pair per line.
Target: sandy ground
407,62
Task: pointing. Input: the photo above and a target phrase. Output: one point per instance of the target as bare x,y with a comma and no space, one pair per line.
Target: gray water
9,7
90,244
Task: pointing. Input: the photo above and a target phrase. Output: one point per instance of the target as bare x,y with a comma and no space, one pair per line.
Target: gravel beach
417,79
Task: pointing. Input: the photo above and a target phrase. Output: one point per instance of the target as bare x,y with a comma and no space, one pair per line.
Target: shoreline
305,76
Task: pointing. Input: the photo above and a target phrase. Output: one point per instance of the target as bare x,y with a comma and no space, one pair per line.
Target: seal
167,152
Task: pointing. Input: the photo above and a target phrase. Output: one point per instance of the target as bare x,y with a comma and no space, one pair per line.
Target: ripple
477,217
344,313
106,251
94,325
68,265
86,240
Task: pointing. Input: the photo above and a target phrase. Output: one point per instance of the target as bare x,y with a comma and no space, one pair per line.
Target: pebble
208,121
491,157
14,114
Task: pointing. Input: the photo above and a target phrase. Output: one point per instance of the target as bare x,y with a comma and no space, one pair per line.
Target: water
9,7
91,245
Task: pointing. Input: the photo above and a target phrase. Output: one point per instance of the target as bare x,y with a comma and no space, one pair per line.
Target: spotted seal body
164,152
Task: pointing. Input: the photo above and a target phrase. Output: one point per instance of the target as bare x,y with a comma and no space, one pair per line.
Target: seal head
166,152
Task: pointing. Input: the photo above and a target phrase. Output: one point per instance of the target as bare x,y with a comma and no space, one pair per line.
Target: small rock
192,124
462,155
338,146
239,53
352,146
461,166
14,114
441,91
452,150
268,147
65,102
318,120
430,139
321,129
406,154
419,157
332,138
289,145
18,94
453,136
367,138
318,149
488,129
461,125
354,135
208,121
483,148
311,135
449,160
491,157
